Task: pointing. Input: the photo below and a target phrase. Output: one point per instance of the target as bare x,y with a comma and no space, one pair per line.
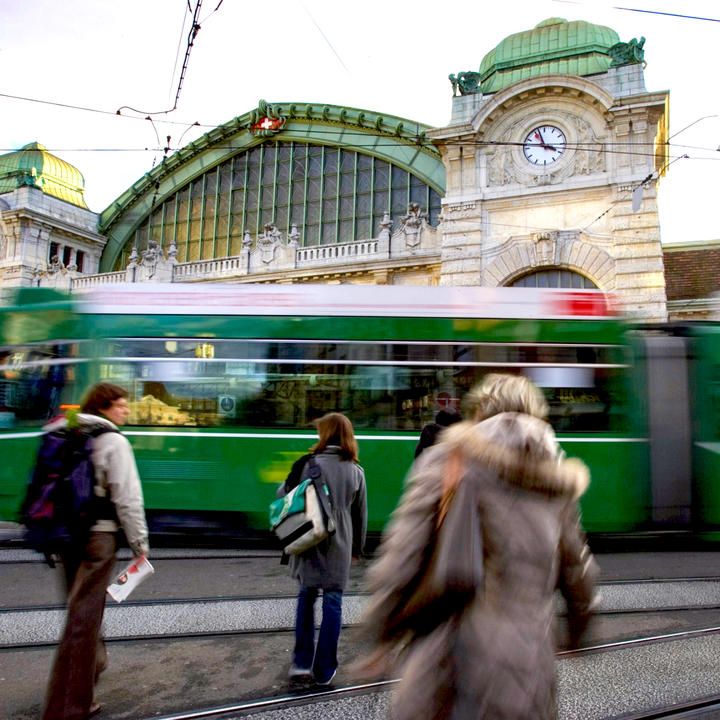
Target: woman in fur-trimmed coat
494,657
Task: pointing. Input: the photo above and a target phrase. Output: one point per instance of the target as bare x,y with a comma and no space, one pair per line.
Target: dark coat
494,658
327,565
429,433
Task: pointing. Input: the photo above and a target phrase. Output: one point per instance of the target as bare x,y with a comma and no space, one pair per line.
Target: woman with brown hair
326,566
463,603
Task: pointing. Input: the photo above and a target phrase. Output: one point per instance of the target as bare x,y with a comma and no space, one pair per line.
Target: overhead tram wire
606,146
353,147
179,45
651,176
192,34
680,16
668,14
84,108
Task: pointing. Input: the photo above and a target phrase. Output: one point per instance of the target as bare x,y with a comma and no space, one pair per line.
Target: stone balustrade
323,254
222,267
272,256
85,281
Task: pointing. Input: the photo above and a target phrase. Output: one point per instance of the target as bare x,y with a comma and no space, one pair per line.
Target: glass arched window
332,195
555,278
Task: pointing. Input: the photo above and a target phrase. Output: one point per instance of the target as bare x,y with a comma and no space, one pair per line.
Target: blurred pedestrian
88,567
326,567
463,588
430,432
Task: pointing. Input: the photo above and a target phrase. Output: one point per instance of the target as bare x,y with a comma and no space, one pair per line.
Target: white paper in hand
137,571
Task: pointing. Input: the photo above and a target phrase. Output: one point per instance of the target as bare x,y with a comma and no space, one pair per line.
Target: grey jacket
116,475
496,657
327,565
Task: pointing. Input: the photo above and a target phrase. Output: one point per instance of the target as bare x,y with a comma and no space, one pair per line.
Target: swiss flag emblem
268,123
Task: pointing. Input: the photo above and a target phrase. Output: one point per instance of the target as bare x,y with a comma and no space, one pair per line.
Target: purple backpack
60,505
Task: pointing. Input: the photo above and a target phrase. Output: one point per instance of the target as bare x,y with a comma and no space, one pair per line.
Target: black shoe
324,683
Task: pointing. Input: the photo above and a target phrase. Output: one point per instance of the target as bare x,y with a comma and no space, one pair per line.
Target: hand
543,144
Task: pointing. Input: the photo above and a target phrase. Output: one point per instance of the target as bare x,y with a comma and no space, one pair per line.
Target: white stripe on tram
289,436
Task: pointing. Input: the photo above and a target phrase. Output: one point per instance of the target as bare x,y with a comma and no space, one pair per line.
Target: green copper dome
554,47
33,165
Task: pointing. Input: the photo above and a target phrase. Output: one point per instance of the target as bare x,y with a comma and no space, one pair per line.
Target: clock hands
543,144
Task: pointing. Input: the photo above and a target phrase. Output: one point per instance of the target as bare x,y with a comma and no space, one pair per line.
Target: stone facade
593,211
43,239
408,255
588,205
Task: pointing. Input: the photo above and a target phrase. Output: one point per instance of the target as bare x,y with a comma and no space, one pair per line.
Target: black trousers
72,679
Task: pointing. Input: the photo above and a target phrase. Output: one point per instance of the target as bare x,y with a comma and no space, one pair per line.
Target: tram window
241,350
286,390
34,380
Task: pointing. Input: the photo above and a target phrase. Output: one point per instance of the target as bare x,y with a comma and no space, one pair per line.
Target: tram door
670,429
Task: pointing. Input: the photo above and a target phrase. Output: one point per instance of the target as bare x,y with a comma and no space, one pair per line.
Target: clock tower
553,155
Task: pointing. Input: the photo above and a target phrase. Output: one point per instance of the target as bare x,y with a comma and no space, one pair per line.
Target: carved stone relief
414,235
499,170
268,243
506,165
545,248
589,155
151,265
412,225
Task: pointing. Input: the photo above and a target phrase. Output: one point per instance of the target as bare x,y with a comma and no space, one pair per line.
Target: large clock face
544,145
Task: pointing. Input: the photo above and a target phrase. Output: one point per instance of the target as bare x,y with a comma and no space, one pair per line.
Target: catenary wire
192,34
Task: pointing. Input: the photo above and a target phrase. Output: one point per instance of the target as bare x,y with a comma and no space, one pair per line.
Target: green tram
225,382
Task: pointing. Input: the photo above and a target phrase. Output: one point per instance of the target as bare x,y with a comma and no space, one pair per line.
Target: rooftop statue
467,83
628,53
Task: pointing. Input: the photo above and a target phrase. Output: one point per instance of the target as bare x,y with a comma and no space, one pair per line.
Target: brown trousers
72,679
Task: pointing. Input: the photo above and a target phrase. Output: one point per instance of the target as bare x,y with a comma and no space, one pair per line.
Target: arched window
331,194
555,278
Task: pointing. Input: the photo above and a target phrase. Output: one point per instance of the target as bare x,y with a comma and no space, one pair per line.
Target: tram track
268,697
23,556
706,707
294,702
27,625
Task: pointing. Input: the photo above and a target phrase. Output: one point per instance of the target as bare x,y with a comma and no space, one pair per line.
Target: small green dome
554,46
33,165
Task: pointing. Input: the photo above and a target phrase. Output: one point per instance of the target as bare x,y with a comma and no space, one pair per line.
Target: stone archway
553,250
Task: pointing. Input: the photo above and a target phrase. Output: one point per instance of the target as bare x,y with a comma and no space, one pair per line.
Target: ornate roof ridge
368,121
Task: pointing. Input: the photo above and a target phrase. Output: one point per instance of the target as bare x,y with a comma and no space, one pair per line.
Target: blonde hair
498,393
336,429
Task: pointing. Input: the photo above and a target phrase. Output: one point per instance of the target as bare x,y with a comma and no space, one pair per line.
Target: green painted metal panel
36,315
216,474
618,498
705,392
554,46
591,332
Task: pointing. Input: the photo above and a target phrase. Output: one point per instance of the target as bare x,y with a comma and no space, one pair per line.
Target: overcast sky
390,56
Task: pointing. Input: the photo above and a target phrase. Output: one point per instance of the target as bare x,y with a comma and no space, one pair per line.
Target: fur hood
522,450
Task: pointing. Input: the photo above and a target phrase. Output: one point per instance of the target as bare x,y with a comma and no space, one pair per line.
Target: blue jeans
322,659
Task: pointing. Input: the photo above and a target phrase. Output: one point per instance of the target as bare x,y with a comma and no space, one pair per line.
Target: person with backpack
430,432
326,567
88,556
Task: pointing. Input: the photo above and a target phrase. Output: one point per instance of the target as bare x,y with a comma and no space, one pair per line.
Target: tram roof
309,300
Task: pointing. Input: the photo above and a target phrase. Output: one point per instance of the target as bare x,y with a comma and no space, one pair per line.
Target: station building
546,175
